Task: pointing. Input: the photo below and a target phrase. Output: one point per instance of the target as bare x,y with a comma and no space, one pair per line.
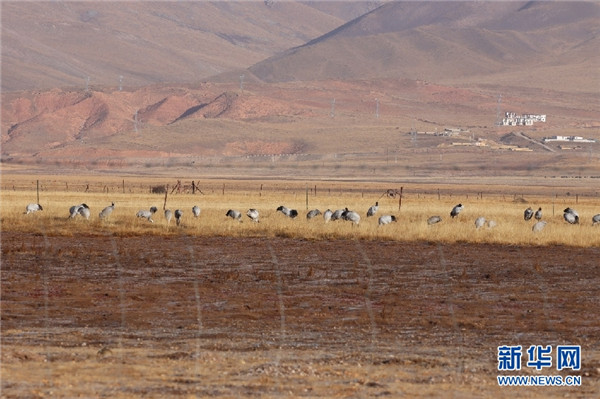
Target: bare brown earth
183,316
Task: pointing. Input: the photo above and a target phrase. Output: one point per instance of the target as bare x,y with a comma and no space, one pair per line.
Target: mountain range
539,44
66,43
84,77
58,44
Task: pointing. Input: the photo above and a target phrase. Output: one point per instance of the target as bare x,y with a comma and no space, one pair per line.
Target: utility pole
332,114
498,119
377,108
242,83
120,82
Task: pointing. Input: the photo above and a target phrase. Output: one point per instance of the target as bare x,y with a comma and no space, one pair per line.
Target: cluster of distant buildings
514,119
510,119
571,139
447,132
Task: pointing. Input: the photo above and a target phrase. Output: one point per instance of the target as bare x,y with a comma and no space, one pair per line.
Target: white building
571,139
513,119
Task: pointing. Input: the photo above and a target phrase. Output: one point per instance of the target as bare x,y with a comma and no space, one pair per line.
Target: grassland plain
215,197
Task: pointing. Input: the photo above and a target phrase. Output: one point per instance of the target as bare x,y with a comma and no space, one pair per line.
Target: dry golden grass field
412,209
125,308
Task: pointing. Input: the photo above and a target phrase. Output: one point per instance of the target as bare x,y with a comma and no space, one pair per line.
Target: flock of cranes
147,214
82,210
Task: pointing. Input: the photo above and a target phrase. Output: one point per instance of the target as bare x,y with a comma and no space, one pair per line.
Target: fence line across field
41,186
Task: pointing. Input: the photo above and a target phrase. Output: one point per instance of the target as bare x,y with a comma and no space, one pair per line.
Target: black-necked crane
196,211
571,216
337,214
539,226
147,214
178,215
479,222
236,215
107,211
253,214
434,219
81,209
386,219
351,216
312,213
456,210
373,209
168,216
291,213
31,208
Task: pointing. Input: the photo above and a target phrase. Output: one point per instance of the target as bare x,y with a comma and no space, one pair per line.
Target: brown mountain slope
449,42
57,44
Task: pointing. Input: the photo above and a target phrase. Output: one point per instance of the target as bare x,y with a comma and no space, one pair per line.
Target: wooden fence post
306,196
400,199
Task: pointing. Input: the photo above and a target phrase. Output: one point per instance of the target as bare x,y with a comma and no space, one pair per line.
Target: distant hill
321,78
63,44
59,44
542,44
